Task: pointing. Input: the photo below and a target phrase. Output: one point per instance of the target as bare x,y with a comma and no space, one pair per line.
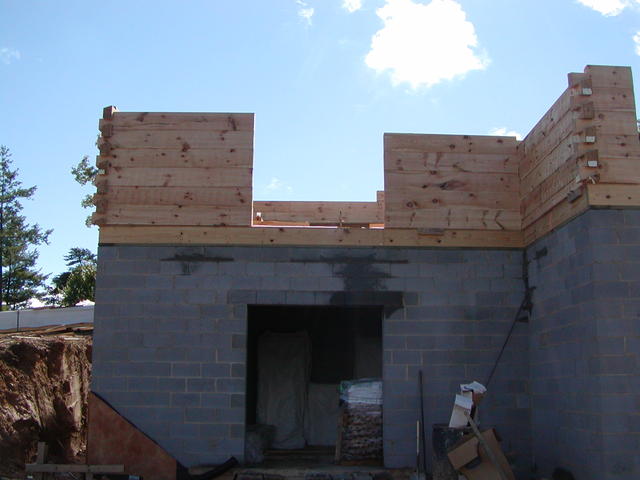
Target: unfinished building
198,285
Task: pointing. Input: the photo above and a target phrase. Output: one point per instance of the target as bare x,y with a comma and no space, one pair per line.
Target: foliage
77,283
19,278
84,174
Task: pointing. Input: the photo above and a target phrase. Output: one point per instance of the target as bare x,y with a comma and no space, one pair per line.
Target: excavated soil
44,386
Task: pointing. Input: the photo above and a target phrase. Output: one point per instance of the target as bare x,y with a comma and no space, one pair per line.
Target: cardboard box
461,406
469,458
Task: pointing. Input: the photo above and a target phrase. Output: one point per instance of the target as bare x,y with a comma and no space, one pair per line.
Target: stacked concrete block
171,332
584,346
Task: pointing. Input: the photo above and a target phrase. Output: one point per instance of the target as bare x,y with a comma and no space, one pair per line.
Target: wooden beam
161,158
181,139
608,195
319,212
204,196
450,143
180,177
162,121
73,468
306,236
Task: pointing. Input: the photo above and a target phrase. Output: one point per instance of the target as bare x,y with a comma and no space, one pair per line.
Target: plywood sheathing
112,439
174,169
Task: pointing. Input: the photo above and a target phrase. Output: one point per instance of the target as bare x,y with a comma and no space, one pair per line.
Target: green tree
85,174
19,278
77,283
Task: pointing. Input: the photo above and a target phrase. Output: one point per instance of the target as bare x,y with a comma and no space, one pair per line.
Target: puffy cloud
351,5
423,45
636,41
8,55
305,11
608,8
504,132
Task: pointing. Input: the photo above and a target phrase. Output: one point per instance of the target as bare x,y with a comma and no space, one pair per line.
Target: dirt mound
44,384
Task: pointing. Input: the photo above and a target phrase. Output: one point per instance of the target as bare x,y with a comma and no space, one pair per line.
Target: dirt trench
44,386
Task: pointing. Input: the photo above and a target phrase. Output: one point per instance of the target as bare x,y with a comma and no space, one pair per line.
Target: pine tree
76,284
19,278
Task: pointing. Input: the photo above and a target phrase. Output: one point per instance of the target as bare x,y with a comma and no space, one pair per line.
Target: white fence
39,317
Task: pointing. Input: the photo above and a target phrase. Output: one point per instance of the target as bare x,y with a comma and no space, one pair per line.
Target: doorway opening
297,358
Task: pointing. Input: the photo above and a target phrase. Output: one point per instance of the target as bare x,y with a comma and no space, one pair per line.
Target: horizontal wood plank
179,177
180,139
455,218
160,158
608,195
220,196
306,236
412,161
161,121
554,218
484,144
72,468
609,76
319,212
434,197
460,181
173,215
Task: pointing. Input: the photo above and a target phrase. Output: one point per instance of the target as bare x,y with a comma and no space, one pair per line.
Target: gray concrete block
171,385
260,269
216,370
195,414
201,385
186,369
242,296
230,385
185,399
215,400
271,297
613,365
214,430
238,370
184,430
142,384
143,369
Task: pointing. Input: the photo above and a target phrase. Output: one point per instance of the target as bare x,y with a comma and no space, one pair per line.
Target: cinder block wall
584,347
170,335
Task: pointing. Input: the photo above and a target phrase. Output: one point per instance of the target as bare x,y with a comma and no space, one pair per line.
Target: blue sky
326,79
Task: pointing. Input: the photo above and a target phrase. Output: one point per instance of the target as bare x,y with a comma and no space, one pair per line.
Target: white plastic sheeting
321,421
284,361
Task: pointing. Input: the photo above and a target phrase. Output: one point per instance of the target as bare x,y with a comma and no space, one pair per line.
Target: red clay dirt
44,387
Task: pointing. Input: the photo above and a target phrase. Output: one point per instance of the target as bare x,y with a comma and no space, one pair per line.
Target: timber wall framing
186,178
174,169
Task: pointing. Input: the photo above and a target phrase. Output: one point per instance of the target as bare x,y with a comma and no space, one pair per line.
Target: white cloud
636,41
504,132
608,8
424,44
305,11
8,55
352,5
276,185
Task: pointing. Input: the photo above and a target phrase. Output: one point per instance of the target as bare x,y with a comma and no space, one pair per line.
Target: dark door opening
296,358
